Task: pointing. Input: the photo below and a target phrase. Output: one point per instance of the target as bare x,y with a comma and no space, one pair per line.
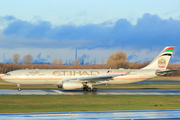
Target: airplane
87,79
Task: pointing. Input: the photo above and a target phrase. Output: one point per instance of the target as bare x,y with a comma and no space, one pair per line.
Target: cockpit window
8,74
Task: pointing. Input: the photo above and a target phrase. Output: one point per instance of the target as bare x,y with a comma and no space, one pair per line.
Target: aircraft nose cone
2,77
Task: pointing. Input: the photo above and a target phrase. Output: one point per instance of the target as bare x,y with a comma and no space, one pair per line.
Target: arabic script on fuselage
35,72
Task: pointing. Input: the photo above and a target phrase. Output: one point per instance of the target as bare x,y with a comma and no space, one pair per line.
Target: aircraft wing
97,78
163,72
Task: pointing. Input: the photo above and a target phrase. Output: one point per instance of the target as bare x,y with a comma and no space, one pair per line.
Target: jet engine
72,85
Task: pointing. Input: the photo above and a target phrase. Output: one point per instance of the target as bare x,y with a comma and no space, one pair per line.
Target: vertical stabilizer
162,60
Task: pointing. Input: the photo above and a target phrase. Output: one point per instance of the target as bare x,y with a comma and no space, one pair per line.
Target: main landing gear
19,87
89,89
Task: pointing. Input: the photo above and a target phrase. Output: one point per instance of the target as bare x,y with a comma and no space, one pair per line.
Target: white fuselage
56,76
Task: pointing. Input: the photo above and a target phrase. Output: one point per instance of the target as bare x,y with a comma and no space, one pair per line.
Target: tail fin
162,60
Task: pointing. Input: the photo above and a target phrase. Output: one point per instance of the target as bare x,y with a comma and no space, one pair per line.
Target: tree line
27,59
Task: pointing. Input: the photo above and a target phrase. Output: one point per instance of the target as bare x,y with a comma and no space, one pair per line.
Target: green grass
58,103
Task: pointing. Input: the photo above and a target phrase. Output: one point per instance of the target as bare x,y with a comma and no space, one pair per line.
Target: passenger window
8,74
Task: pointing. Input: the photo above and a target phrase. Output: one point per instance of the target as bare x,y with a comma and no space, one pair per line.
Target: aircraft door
18,74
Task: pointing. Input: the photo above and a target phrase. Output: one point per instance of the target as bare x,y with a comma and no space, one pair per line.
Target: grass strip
59,103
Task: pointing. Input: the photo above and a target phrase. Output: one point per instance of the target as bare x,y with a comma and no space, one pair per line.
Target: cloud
25,29
48,56
7,18
39,59
150,31
84,56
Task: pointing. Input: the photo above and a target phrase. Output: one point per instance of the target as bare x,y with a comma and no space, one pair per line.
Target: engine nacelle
72,85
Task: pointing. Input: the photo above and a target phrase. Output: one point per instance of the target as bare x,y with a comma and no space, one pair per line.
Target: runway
98,92
98,115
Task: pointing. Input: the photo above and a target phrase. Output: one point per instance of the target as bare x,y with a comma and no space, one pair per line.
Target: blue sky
50,29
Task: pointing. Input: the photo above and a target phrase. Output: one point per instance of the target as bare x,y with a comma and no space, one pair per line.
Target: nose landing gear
19,87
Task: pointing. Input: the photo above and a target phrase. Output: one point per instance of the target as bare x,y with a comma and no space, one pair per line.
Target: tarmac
173,114
98,92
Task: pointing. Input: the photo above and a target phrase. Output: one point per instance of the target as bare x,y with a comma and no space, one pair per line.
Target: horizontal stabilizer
163,72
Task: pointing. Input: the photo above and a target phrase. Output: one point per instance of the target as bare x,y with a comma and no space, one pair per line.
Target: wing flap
98,78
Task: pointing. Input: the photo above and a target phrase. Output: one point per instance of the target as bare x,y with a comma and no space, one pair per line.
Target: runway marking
81,92
59,92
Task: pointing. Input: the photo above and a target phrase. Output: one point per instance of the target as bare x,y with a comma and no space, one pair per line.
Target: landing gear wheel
89,89
85,89
94,89
19,89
